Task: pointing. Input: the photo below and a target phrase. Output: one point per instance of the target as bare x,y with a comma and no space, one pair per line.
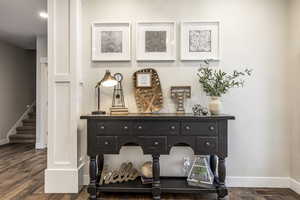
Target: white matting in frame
156,41
111,41
200,40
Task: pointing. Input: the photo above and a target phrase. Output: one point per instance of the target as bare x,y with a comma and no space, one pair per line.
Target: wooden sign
126,173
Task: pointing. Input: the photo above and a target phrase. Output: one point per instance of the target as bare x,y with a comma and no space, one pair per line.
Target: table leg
92,189
213,167
156,177
222,190
100,162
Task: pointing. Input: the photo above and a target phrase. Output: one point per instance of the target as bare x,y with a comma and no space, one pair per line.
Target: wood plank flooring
22,178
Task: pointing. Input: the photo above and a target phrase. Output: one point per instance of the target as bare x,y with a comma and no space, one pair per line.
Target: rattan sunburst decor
148,99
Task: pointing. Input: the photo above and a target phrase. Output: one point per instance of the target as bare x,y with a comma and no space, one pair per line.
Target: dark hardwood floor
22,178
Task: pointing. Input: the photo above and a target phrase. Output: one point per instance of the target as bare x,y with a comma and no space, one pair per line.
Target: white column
64,173
41,84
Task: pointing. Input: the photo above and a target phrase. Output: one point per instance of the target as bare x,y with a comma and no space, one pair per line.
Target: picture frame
111,41
200,40
156,41
143,80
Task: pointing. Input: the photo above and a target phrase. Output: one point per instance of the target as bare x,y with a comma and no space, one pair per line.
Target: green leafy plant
217,82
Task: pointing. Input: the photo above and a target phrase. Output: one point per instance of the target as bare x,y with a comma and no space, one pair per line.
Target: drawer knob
156,143
188,128
173,128
140,127
106,143
211,128
126,128
102,127
207,144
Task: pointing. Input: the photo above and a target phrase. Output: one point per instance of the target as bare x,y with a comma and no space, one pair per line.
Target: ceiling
20,22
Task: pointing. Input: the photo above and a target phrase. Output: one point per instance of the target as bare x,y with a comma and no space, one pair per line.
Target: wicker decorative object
148,99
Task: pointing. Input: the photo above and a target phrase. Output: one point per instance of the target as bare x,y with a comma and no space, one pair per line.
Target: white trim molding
295,185
69,180
18,123
258,182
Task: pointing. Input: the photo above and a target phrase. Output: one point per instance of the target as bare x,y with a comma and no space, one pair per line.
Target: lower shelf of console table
160,184
168,185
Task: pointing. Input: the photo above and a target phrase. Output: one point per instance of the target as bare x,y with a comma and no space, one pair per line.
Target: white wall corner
64,180
18,123
258,182
295,185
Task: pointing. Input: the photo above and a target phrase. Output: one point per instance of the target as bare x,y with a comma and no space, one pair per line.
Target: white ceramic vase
215,106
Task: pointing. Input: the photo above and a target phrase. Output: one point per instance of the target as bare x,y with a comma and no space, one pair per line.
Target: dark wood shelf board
168,185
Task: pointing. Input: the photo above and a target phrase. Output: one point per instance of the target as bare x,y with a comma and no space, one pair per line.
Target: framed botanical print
111,41
156,41
200,41
143,79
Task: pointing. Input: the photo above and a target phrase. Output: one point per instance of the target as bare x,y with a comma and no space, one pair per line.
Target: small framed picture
156,41
111,41
200,41
143,79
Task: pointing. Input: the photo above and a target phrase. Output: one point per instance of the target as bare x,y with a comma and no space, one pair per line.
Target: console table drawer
113,128
206,145
106,144
199,128
157,128
153,144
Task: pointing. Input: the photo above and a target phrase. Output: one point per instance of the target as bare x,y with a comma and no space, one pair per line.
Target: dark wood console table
157,134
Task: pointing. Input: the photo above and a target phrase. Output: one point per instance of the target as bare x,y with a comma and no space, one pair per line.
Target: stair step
33,124
26,132
29,121
28,141
22,136
26,128
32,114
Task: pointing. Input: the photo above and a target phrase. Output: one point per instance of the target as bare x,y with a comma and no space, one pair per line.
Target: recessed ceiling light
44,15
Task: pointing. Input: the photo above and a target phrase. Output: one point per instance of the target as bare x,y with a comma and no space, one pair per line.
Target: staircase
27,132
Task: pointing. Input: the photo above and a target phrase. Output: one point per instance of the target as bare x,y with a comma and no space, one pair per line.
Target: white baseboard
295,185
19,122
4,141
40,146
258,182
63,180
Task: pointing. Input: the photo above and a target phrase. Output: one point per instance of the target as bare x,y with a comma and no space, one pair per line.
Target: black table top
161,116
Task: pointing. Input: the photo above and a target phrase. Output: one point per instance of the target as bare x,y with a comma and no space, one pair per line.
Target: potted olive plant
215,83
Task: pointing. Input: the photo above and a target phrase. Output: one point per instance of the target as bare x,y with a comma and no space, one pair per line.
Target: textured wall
253,34
17,84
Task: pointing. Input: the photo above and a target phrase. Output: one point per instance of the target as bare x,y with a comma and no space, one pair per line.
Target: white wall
254,35
294,88
17,86
41,52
